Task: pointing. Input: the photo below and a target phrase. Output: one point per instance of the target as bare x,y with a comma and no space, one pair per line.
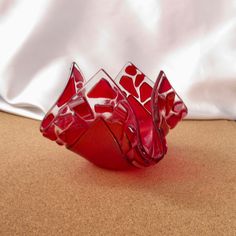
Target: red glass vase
116,124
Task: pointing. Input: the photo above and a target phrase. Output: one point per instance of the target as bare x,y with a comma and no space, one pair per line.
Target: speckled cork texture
48,190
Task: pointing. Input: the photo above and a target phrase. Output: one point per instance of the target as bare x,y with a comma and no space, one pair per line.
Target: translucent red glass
115,124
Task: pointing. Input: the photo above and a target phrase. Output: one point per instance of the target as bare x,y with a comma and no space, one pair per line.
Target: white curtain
194,42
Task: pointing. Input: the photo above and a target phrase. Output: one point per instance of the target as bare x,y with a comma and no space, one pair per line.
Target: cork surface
48,190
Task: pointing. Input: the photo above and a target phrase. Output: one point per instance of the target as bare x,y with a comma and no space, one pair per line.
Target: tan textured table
47,190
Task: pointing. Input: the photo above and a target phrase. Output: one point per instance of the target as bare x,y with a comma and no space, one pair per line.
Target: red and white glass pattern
116,124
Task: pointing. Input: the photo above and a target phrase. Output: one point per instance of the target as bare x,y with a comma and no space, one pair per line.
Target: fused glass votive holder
115,124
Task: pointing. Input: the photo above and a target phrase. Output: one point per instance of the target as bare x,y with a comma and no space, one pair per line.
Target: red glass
115,124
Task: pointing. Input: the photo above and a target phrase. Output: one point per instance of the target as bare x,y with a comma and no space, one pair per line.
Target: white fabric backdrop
194,42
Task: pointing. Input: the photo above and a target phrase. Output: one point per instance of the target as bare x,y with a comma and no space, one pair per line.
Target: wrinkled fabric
194,42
